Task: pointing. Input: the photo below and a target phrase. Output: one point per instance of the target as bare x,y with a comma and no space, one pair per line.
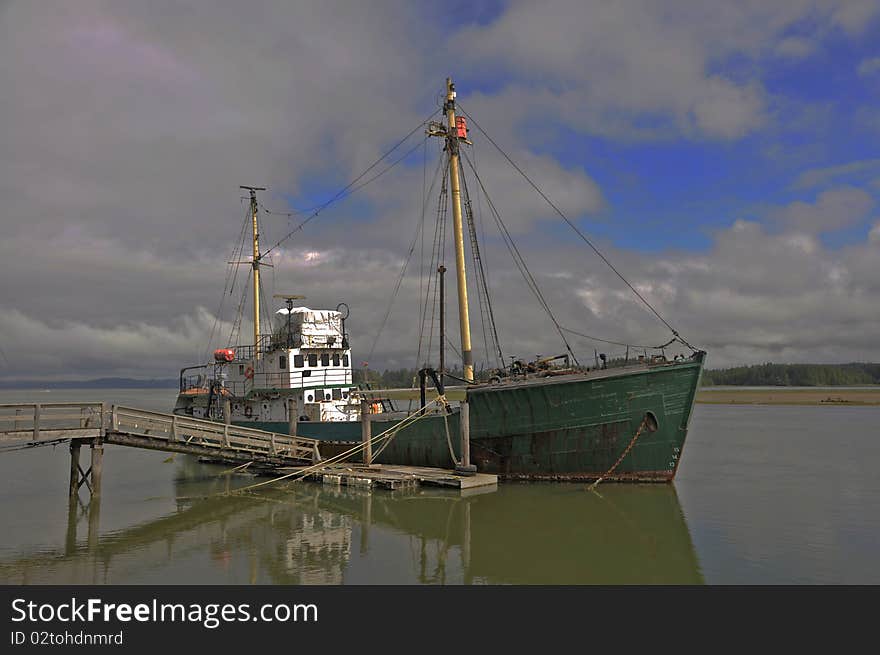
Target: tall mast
452,144
255,262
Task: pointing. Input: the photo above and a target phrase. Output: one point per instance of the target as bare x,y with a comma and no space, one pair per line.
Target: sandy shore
785,396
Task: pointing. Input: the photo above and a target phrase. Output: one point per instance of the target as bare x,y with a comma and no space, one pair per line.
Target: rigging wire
519,261
618,343
432,271
576,230
350,188
231,274
482,285
440,250
400,277
235,330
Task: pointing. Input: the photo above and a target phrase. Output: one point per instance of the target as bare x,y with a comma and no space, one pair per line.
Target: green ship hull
571,427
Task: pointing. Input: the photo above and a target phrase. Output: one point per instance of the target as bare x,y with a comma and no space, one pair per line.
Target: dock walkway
98,423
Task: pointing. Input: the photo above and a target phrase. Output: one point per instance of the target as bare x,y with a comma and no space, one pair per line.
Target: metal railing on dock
117,424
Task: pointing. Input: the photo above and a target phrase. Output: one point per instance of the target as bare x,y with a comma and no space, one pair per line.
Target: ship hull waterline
570,428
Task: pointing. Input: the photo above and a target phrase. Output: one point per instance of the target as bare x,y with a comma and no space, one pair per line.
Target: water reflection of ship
520,534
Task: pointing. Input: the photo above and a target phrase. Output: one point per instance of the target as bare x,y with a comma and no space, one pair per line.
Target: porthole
309,398
651,422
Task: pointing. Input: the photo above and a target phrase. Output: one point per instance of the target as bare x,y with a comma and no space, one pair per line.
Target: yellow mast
458,233
255,262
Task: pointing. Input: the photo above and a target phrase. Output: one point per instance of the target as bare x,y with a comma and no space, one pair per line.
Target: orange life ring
249,372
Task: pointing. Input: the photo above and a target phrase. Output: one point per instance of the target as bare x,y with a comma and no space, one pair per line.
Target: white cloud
793,47
833,210
818,176
869,66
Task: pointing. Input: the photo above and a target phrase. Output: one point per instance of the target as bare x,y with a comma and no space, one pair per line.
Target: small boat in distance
552,418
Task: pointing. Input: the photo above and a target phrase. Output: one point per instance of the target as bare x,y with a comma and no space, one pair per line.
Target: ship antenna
454,132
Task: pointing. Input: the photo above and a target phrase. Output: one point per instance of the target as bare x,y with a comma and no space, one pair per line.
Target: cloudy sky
724,156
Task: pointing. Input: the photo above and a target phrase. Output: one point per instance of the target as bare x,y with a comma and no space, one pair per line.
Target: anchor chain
632,443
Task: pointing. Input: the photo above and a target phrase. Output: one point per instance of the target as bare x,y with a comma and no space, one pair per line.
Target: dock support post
365,523
227,411
37,410
74,469
72,520
94,519
366,432
465,468
97,468
466,545
291,416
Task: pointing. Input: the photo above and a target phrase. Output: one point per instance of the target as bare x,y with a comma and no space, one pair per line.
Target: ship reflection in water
313,534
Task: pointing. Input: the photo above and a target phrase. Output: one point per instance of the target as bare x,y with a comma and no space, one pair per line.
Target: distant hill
794,375
97,383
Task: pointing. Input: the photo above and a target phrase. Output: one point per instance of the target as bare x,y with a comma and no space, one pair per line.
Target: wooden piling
36,421
291,416
70,535
465,434
94,518
74,469
97,469
227,411
465,468
366,431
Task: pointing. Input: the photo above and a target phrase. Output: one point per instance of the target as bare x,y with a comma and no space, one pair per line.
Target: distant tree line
396,378
794,375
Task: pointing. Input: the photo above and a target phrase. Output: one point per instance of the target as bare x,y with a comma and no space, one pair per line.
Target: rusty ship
620,418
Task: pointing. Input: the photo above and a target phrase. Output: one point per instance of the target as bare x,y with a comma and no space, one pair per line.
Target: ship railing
199,379
271,342
313,378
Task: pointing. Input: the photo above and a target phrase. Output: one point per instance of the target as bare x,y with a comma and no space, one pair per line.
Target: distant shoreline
862,396
717,395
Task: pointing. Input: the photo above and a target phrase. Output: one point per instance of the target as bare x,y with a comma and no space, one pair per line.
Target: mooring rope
390,433
449,440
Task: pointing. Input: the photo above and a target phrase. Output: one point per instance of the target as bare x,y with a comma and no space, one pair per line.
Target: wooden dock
97,424
388,476
92,423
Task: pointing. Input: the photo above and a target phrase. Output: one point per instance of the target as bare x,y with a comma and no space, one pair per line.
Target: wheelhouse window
345,360
336,360
325,359
282,362
337,394
298,361
241,369
313,359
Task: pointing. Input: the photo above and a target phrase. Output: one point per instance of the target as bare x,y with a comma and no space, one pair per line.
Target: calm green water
764,495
